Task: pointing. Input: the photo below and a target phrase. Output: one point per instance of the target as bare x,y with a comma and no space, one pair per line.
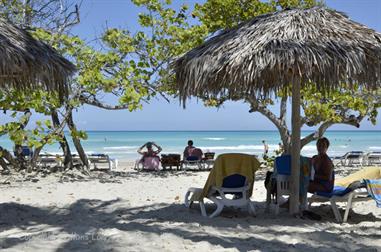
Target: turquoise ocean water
123,144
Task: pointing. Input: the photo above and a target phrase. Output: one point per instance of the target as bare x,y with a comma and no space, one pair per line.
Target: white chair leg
202,207
251,208
335,210
268,201
349,206
276,208
220,206
186,200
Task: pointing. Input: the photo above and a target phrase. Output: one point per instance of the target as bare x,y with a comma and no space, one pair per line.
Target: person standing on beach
265,149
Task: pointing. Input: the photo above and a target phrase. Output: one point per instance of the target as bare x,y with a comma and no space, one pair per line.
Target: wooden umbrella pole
295,152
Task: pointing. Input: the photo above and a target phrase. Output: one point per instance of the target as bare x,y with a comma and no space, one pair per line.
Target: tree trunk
36,153
76,141
68,160
295,152
8,156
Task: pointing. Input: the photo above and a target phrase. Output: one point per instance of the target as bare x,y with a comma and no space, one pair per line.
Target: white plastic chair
373,158
218,196
357,195
102,161
283,188
353,158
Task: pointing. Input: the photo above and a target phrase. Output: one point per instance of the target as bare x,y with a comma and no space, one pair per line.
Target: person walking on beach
265,149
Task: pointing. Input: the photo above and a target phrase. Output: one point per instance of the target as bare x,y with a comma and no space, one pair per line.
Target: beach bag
151,163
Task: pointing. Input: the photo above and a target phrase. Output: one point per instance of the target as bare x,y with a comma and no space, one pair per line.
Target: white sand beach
125,210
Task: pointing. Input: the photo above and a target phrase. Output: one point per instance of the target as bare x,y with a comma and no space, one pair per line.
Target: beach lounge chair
147,164
341,194
373,158
194,160
102,161
24,151
352,158
169,160
49,160
344,193
230,183
208,160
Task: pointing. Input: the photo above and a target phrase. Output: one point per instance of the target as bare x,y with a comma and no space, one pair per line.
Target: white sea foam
238,147
375,147
120,147
121,152
214,138
309,148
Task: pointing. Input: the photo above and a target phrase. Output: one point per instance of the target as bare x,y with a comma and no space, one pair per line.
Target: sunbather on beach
191,152
323,176
150,152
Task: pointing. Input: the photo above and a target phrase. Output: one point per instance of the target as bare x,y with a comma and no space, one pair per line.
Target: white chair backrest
283,184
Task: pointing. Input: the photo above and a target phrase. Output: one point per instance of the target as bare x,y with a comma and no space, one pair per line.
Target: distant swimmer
265,149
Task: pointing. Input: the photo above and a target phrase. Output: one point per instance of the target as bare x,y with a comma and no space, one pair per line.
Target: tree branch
283,109
352,120
95,102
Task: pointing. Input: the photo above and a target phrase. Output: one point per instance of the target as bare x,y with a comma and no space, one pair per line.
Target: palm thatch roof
265,54
27,63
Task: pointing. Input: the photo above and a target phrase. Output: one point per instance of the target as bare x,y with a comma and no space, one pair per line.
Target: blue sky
96,15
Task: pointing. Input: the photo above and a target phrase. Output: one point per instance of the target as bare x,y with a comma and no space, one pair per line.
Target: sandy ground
125,210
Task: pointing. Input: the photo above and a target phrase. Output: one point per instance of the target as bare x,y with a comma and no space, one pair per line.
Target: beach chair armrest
239,189
222,191
194,189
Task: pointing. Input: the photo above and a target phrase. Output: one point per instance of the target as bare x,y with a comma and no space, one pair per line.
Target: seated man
323,173
150,158
192,153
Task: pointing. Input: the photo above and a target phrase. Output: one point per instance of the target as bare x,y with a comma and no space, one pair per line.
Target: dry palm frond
265,54
27,63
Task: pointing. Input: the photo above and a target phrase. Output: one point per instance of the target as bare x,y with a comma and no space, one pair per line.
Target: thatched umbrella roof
27,63
265,54
287,47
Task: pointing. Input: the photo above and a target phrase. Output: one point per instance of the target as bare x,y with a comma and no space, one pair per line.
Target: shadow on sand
235,230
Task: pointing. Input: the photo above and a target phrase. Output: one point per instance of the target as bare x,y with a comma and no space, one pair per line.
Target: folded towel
374,189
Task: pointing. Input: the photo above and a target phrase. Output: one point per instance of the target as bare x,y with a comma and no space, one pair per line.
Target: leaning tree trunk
76,141
68,160
6,155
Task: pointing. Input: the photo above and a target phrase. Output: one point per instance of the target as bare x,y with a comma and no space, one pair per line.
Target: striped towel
374,189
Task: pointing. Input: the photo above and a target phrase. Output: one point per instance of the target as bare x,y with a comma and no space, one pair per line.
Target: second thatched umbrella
272,51
27,63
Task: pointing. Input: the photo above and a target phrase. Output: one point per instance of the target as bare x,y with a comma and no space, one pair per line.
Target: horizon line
220,130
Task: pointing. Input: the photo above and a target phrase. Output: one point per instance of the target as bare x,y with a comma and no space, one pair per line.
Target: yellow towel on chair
229,164
367,173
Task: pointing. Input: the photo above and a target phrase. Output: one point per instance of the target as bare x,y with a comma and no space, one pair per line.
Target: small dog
270,184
